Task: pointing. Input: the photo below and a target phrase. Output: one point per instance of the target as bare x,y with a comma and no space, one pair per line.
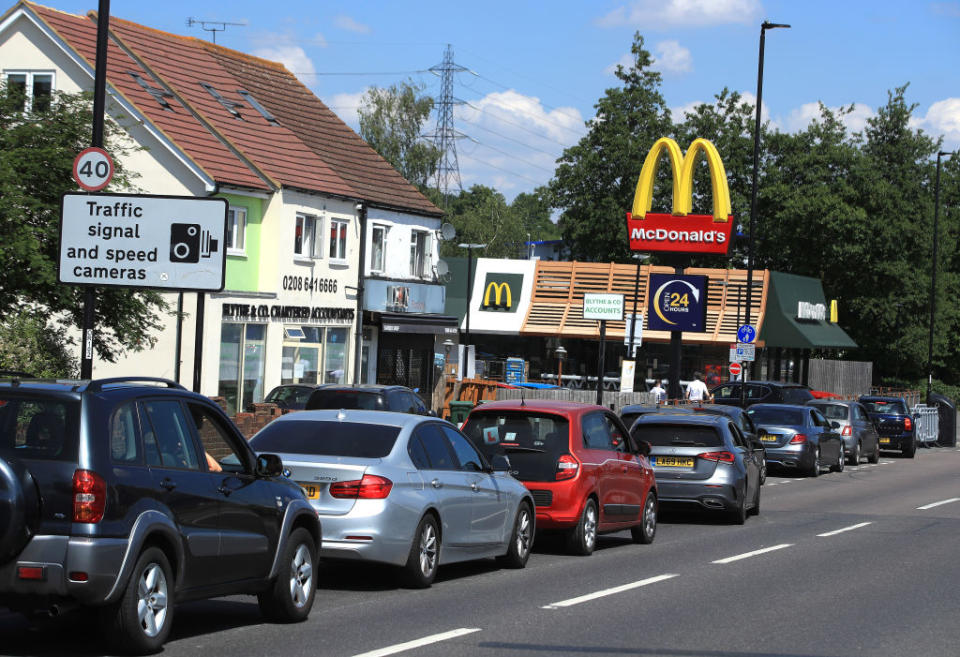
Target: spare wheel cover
19,508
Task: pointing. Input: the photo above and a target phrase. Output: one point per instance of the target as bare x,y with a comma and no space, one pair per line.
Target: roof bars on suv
14,374
98,384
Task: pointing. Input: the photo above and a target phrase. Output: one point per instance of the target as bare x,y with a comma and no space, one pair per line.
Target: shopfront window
302,358
335,357
242,364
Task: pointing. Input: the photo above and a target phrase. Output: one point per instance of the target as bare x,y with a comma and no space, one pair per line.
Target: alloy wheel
524,533
590,526
152,594
428,550
650,517
301,576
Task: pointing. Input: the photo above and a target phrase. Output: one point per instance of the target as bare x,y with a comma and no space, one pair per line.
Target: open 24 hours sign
677,303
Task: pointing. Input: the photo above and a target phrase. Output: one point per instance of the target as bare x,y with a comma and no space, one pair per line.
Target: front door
406,359
488,510
450,487
601,454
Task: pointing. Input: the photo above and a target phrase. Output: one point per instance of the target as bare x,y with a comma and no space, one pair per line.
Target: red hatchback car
579,462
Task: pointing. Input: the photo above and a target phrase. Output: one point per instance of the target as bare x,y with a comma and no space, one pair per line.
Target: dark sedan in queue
702,460
798,438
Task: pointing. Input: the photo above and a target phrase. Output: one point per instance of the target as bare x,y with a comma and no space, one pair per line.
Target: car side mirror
643,448
431,413
500,463
834,425
269,465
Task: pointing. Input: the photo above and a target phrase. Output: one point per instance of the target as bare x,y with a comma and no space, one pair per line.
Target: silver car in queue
401,489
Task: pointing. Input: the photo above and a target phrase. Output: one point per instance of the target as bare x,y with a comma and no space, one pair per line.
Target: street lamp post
766,25
933,275
560,353
469,248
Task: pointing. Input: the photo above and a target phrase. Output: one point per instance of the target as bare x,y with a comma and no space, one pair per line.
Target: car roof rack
98,384
14,374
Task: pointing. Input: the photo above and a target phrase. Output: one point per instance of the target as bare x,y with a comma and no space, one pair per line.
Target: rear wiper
677,441
521,448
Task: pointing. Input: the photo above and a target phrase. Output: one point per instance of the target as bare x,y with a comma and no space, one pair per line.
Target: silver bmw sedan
402,489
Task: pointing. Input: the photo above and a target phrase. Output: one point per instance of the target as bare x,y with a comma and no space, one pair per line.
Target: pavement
862,562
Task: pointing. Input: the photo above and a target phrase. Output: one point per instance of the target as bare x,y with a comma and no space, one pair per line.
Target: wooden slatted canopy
556,306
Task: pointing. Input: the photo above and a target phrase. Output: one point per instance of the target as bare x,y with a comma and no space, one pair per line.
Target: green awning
786,324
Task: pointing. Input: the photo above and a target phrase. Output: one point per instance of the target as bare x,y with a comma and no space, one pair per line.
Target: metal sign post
602,307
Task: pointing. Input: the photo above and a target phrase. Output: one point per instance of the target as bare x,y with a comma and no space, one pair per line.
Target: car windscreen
326,438
37,428
346,399
677,435
532,441
832,411
788,416
890,407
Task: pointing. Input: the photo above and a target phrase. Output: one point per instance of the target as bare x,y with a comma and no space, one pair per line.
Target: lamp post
933,275
560,353
766,25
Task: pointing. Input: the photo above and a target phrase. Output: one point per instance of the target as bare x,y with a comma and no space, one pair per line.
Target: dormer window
232,106
158,94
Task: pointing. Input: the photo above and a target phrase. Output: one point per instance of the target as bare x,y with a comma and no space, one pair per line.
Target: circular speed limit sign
93,169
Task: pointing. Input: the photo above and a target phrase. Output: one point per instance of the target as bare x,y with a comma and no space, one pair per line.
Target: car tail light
371,487
719,457
799,439
30,572
567,467
907,424
847,430
89,496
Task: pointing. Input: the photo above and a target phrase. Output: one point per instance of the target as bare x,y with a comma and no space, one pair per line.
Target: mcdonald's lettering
501,292
681,232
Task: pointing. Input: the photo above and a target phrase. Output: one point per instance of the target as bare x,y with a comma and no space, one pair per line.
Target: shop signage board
501,292
138,240
628,370
637,331
605,307
677,303
746,333
746,352
681,231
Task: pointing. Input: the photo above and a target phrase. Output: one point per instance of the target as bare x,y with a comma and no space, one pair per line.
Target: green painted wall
242,271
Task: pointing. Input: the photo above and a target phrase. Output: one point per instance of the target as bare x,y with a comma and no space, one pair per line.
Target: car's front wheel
140,621
290,597
521,541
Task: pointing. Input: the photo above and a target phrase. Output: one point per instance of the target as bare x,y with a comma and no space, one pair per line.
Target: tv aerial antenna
211,26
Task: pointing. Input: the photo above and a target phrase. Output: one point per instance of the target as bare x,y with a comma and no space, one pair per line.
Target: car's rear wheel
855,455
521,541
582,539
424,557
647,529
290,597
910,450
140,621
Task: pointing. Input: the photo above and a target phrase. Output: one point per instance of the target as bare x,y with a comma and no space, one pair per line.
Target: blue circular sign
746,333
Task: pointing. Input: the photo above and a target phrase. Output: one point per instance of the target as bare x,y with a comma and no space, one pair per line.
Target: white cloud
799,118
626,61
943,118
680,112
671,57
345,106
344,22
319,40
294,58
658,14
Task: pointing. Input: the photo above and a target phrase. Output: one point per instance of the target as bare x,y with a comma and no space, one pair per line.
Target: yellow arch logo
499,290
682,168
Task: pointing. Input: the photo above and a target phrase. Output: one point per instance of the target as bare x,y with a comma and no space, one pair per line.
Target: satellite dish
443,270
447,232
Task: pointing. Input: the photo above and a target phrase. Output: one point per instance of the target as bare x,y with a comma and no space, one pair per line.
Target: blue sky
537,68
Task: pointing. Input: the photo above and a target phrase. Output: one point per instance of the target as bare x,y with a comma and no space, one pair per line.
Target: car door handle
223,490
474,487
168,484
436,483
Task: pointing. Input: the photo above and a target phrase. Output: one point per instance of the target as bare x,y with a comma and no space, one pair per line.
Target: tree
31,344
533,212
391,121
37,149
481,216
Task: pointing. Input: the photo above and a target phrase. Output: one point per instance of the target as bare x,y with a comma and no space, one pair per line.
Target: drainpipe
358,339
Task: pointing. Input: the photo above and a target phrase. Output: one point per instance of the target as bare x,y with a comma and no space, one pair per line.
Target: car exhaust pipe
712,503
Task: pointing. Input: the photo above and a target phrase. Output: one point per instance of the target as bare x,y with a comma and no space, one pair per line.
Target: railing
927,421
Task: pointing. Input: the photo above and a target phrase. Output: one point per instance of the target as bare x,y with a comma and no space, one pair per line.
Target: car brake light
720,457
567,467
89,496
907,424
371,487
847,431
799,439
30,572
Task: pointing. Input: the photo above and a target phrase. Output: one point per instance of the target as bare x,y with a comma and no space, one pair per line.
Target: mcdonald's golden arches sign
501,292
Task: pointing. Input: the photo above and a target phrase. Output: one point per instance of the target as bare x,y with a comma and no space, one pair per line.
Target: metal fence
927,421
611,399
847,378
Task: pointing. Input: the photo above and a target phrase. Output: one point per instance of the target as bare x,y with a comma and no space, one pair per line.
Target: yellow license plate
767,438
312,491
884,441
675,461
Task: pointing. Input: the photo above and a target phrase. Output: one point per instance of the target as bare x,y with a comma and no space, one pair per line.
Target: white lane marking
941,502
747,555
606,592
419,643
845,529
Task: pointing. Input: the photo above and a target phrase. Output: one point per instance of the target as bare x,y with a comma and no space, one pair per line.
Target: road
864,562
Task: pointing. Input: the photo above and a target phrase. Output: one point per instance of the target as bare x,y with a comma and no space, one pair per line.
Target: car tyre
424,557
582,539
290,596
815,470
645,532
521,541
739,514
875,457
139,623
855,456
763,470
838,466
755,510
911,451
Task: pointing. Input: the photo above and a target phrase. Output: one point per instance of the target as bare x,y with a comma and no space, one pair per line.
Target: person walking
660,395
697,390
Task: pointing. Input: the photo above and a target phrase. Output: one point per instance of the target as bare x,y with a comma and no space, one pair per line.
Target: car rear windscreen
322,438
892,407
776,416
677,435
832,411
533,442
36,428
345,399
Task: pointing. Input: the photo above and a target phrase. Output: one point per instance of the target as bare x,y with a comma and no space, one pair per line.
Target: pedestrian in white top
660,395
697,390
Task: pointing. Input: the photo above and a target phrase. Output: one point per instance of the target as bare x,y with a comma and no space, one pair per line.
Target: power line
514,123
503,136
494,166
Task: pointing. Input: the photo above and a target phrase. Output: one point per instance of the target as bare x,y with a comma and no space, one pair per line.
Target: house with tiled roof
304,192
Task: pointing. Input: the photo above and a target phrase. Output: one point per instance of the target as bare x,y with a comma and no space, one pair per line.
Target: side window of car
397,401
737,436
596,435
124,443
470,459
170,433
617,437
748,425
437,448
417,453
217,444
418,405
859,413
819,420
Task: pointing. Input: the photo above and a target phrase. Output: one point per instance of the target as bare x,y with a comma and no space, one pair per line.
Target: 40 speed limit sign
93,169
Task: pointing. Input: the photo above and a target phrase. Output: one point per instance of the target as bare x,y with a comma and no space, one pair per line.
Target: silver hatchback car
402,489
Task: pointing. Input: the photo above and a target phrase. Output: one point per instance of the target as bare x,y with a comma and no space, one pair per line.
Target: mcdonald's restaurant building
526,309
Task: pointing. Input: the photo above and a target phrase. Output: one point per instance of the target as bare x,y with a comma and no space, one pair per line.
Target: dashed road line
612,591
845,529
747,555
940,503
419,643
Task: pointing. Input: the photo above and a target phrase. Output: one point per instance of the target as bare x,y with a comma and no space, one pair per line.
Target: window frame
309,251
28,84
417,255
341,242
384,231
233,212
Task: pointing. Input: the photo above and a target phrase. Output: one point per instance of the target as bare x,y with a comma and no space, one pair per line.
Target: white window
338,240
305,243
34,88
420,246
378,250
236,231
